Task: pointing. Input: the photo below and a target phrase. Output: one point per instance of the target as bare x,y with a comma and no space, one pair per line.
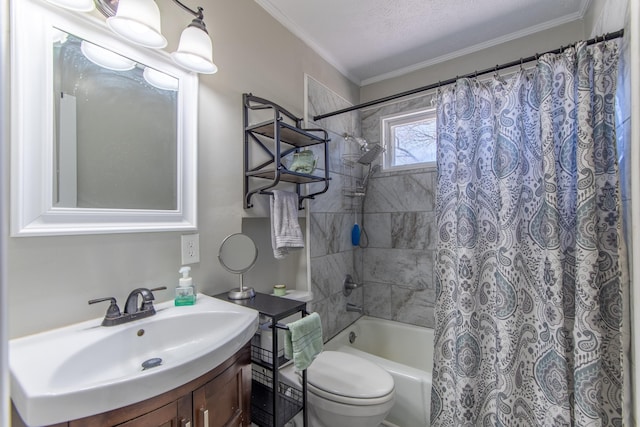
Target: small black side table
273,406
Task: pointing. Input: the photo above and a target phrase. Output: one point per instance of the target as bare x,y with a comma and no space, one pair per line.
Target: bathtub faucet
355,308
349,285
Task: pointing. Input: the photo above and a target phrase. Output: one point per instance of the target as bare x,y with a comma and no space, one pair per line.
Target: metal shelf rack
267,411
276,138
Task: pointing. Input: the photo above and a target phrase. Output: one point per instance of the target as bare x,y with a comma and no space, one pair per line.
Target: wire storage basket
289,404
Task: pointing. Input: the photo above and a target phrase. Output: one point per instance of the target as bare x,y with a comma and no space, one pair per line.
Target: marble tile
357,264
323,100
401,193
370,118
318,235
377,300
339,317
321,306
405,267
413,230
339,228
328,273
332,200
415,306
378,229
331,214
397,266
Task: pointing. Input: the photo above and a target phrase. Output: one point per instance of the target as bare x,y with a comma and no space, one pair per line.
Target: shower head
372,153
359,140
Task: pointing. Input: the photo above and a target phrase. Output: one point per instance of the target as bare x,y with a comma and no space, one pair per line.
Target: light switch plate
190,248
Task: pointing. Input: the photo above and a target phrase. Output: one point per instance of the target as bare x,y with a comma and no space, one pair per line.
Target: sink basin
85,369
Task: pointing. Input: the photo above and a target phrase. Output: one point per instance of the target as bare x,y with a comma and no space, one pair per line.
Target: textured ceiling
369,40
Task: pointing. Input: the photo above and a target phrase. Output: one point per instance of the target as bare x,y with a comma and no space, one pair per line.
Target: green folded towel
303,341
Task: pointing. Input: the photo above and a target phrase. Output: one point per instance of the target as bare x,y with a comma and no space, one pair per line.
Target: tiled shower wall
330,217
397,266
400,222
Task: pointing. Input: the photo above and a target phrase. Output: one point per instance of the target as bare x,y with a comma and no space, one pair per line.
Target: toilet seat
348,379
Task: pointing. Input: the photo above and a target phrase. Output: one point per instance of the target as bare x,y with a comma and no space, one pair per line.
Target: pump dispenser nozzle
185,280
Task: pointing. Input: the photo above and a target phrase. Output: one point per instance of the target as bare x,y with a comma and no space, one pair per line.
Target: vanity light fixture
105,58
139,22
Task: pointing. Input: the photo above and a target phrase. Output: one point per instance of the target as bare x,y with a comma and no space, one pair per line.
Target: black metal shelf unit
277,138
267,411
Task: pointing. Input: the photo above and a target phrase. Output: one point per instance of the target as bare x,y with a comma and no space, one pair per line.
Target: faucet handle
113,311
148,304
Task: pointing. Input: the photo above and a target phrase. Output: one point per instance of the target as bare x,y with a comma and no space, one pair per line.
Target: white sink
85,369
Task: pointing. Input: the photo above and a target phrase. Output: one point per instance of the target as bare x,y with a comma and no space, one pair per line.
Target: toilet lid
346,375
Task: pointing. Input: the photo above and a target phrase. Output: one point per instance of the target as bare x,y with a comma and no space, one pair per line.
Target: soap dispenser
185,292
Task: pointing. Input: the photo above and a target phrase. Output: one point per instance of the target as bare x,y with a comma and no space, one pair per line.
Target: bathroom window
410,139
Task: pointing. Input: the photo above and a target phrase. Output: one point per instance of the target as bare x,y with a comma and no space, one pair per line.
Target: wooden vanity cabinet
221,397
167,416
222,401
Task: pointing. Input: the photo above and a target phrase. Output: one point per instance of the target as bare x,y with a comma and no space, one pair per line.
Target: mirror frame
32,138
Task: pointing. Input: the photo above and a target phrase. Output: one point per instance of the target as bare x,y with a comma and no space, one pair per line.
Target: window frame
397,119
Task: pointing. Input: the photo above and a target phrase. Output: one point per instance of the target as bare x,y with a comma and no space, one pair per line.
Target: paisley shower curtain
528,309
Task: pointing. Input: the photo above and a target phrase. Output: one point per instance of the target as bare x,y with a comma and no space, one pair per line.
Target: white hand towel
285,230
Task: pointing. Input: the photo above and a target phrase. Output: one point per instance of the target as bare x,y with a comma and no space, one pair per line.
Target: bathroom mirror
97,147
115,130
238,254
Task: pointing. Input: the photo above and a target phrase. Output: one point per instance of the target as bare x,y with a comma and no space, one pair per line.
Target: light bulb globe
106,58
195,51
139,22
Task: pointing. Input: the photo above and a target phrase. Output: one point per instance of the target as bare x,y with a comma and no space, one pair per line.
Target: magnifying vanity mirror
238,254
103,131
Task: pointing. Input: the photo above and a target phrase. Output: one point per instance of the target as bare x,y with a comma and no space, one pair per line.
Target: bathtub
406,352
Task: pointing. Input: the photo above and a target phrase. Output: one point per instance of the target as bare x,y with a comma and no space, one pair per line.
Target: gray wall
50,279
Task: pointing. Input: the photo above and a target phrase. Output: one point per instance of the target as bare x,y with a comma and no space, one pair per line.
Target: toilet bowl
344,390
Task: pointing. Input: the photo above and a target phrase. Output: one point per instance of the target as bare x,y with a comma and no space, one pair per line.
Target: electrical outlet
190,248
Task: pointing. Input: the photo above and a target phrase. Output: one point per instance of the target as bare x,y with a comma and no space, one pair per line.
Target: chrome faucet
131,309
355,308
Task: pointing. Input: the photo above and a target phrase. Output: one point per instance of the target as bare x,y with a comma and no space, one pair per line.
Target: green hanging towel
303,341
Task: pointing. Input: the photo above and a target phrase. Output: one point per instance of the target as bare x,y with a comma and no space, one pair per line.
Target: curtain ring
521,67
497,75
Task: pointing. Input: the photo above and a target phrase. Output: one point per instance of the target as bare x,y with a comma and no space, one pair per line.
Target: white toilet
344,390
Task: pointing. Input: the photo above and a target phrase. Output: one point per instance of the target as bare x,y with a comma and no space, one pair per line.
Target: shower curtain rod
608,36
